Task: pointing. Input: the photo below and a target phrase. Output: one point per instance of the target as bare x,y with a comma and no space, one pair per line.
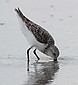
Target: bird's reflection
42,73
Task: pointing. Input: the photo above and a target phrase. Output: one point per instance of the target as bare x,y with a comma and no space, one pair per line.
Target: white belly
30,37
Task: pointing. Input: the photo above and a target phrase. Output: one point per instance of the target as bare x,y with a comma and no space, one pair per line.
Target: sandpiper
38,37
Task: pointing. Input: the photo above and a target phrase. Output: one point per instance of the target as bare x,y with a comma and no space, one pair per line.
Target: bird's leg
27,66
28,53
36,54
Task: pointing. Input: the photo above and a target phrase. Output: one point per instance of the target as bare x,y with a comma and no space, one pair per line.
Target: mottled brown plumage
40,33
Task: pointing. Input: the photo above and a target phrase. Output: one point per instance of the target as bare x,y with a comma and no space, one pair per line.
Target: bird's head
53,52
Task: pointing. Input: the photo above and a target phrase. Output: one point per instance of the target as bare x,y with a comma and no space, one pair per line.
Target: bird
38,37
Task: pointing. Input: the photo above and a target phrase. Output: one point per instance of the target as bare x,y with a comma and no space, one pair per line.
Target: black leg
36,54
27,66
28,53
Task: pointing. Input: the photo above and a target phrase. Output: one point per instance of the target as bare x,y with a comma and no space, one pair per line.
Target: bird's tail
18,11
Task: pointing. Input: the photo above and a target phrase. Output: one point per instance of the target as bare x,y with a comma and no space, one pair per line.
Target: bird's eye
54,54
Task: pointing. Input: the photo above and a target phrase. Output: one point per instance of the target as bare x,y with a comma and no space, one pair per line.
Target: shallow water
43,72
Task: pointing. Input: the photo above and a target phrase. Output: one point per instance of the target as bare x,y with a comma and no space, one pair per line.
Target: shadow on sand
42,73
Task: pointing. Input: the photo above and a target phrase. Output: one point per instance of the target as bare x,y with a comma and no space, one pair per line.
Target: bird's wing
40,33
